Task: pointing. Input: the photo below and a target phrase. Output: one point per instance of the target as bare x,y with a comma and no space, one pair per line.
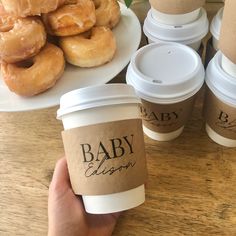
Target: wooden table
191,187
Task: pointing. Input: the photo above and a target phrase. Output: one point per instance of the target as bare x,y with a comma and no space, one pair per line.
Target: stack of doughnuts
29,64
84,30
27,60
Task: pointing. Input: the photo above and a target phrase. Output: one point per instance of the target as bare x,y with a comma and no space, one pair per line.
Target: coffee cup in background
167,77
228,38
190,34
220,104
104,146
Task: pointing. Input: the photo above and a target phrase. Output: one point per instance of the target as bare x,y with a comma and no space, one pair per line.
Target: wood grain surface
190,190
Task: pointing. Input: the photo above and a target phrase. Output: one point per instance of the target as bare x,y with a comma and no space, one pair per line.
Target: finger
61,175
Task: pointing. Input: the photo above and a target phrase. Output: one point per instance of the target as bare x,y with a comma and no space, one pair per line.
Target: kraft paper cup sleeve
176,6
228,31
106,158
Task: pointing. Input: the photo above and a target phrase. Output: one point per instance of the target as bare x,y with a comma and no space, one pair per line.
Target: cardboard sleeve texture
106,158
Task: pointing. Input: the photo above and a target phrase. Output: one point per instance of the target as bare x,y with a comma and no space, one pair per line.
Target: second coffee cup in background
167,77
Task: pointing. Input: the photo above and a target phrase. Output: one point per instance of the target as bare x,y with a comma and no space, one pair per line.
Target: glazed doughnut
107,13
25,8
6,20
89,50
24,40
37,75
71,19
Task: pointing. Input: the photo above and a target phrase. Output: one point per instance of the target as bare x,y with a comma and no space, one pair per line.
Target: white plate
128,36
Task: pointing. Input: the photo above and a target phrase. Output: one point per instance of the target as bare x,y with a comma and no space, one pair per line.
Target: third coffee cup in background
227,38
220,104
216,27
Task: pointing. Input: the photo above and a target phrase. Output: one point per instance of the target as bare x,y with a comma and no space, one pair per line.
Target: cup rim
96,96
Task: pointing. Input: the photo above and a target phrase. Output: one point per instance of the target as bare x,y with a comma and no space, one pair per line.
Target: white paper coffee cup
190,34
220,104
175,19
97,105
167,77
215,28
228,66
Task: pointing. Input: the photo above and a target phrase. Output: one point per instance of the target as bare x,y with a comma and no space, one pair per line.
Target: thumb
60,180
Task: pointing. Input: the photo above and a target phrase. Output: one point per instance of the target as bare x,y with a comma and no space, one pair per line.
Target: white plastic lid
96,96
185,34
166,72
216,24
221,83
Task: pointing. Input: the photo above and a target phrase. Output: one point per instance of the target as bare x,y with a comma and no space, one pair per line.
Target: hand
66,213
